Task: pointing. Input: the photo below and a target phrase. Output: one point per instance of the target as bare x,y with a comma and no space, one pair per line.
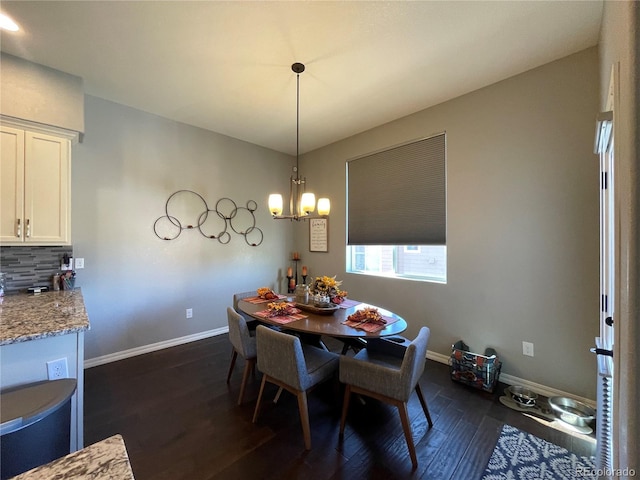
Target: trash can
35,424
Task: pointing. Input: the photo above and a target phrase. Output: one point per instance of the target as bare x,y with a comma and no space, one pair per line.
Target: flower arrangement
281,309
267,293
329,286
367,315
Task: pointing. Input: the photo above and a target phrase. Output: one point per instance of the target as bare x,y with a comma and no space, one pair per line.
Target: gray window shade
398,196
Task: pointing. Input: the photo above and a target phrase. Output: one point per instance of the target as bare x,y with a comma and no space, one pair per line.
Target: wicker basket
478,371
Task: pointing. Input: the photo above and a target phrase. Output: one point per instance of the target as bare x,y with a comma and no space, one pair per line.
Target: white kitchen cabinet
35,185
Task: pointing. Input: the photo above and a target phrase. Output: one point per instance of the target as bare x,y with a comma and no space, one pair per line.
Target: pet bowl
522,396
572,411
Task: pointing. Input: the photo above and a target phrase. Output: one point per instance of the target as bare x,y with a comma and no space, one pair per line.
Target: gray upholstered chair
244,344
388,378
240,296
287,363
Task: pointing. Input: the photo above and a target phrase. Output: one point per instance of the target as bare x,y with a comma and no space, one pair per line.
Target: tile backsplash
26,266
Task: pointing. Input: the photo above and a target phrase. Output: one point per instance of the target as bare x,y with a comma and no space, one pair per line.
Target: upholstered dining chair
244,344
389,378
287,363
251,322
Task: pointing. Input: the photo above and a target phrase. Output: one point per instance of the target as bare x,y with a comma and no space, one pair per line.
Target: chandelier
301,203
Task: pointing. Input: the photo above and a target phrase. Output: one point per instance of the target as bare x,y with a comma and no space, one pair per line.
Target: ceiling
226,66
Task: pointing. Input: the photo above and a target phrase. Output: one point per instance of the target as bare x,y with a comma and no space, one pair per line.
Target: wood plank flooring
180,421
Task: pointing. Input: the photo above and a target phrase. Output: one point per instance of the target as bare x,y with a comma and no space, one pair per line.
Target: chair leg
423,402
406,426
345,408
248,367
234,355
257,410
277,397
304,418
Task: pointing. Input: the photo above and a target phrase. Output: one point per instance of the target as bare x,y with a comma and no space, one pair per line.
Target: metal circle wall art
188,210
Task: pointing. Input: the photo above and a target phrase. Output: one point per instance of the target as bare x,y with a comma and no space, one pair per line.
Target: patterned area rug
521,456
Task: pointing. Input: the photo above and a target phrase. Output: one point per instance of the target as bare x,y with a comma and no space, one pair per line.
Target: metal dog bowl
522,396
572,411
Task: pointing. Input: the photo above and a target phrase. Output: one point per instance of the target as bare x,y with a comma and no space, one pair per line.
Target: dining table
333,322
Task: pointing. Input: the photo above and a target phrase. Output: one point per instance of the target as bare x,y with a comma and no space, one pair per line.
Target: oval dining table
331,325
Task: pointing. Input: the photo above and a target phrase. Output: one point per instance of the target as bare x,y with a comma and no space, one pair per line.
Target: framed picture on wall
319,235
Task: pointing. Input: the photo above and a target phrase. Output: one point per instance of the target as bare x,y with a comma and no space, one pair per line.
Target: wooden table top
330,325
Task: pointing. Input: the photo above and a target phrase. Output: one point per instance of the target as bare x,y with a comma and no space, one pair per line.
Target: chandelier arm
291,196
297,126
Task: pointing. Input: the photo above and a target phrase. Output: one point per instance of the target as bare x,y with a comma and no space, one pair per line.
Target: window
396,211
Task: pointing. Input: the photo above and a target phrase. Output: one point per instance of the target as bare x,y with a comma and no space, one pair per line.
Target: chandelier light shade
275,204
301,203
324,206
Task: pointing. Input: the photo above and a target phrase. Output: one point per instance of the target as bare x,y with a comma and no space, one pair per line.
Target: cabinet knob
19,230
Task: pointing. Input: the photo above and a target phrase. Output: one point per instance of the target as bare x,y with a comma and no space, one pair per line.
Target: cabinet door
11,184
46,189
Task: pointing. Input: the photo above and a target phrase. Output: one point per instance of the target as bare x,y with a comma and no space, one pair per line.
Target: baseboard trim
133,352
436,357
513,380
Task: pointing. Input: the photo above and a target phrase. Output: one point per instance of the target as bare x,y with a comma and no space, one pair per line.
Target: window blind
398,196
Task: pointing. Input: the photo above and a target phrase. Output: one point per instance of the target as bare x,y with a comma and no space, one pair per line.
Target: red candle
304,271
289,272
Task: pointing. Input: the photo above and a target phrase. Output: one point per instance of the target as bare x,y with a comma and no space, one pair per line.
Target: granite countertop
104,460
30,317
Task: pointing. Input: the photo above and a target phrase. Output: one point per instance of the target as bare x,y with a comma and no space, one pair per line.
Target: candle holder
296,259
304,279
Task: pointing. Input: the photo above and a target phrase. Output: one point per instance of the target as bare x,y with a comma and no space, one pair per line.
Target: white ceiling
226,66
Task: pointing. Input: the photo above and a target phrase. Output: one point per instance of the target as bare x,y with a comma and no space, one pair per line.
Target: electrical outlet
189,312
527,349
57,369
79,263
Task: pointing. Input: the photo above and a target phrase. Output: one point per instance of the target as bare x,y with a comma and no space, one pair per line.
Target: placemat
348,303
257,300
281,319
370,327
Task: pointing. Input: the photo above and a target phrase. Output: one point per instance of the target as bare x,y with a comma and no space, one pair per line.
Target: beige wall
522,223
40,94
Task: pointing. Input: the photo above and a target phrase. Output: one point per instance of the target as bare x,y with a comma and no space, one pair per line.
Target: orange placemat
281,319
370,327
256,300
348,303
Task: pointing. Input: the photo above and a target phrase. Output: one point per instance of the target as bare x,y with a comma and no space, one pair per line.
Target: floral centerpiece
277,309
329,287
367,315
267,293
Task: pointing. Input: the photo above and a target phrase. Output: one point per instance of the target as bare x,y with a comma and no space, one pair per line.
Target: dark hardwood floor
179,420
